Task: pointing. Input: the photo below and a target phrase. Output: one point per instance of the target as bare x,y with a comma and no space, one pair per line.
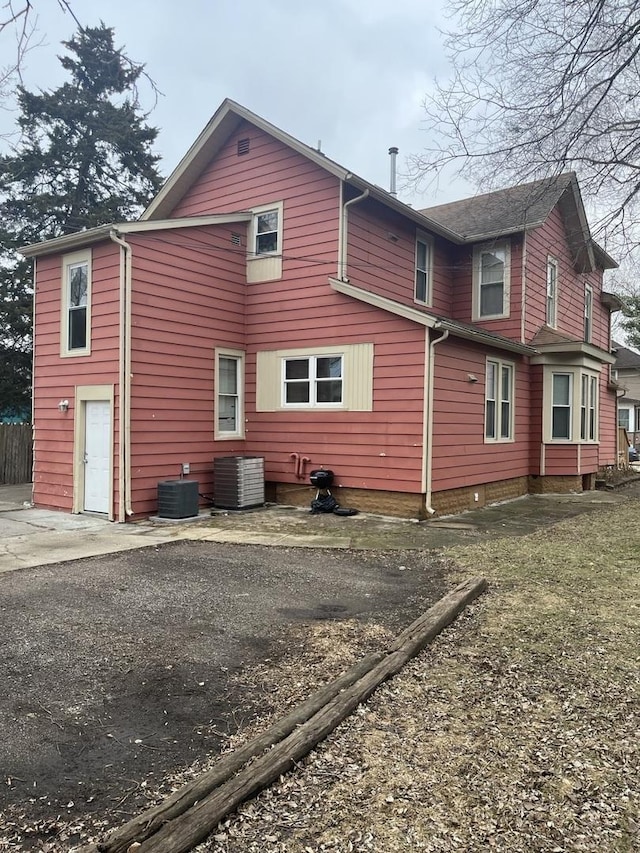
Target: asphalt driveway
118,669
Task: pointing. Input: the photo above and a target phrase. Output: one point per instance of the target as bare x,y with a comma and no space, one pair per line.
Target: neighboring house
626,372
270,302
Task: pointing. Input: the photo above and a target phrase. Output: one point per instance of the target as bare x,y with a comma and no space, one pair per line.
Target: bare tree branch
539,87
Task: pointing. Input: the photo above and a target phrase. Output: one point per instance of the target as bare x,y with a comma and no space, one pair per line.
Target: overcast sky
350,73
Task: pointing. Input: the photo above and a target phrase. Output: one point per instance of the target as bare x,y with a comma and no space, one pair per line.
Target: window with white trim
552,292
424,266
573,405
499,391
314,380
76,304
491,281
264,245
624,418
330,378
562,393
229,379
588,313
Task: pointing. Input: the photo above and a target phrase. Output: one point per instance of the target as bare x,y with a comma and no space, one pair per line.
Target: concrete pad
47,547
246,537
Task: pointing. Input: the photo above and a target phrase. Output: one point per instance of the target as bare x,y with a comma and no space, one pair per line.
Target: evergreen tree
84,160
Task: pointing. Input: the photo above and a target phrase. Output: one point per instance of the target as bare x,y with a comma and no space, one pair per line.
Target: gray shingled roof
504,211
625,358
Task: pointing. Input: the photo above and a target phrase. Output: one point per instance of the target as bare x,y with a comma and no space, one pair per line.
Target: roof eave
427,319
574,348
80,239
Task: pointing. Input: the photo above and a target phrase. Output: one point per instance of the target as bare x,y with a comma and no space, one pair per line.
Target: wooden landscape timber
189,815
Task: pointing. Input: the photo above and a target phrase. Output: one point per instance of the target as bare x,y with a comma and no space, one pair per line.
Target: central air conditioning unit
238,482
178,499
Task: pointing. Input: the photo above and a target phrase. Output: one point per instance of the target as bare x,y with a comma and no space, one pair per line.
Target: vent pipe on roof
393,153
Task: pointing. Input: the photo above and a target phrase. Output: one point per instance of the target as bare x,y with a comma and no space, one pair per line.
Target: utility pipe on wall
124,411
342,260
429,432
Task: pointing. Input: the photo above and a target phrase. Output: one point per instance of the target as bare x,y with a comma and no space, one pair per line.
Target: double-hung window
574,406
552,292
588,406
229,380
588,313
491,281
266,236
76,304
264,255
562,394
313,381
499,392
424,266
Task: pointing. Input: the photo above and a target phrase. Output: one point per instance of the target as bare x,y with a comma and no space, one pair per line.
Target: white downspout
342,250
428,475
124,412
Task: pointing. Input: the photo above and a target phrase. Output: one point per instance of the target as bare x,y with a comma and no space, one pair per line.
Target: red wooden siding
461,457
462,296
535,418
188,298
608,420
551,240
382,256
381,449
561,459
56,378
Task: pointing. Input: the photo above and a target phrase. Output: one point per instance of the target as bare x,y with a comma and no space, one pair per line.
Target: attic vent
243,146
235,239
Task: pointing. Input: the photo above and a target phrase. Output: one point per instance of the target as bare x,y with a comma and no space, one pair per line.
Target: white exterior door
97,455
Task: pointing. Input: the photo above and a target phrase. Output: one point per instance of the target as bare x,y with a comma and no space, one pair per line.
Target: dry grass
516,731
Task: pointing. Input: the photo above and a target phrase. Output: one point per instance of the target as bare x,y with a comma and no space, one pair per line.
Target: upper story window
498,421
264,257
424,267
266,237
229,394
588,313
491,281
624,418
552,292
76,304
314,380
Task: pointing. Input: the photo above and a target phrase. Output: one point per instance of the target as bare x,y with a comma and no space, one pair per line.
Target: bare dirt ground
118,671
516,731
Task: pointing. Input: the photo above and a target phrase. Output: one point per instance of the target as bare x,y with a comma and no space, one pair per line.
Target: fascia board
551,353
78,240
428,320
94,235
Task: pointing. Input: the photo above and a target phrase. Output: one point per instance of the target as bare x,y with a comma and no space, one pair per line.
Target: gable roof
225,121
521,208
503,212
626,359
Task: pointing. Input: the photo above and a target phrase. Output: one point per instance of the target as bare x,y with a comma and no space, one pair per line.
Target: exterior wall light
63,405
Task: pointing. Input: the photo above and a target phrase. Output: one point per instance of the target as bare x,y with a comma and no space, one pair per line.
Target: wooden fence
16,453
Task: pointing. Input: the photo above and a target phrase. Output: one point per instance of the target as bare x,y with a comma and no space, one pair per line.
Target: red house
271,303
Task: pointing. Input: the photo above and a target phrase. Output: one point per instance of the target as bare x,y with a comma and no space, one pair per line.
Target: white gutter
124,356
342,250
33,367
427,477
